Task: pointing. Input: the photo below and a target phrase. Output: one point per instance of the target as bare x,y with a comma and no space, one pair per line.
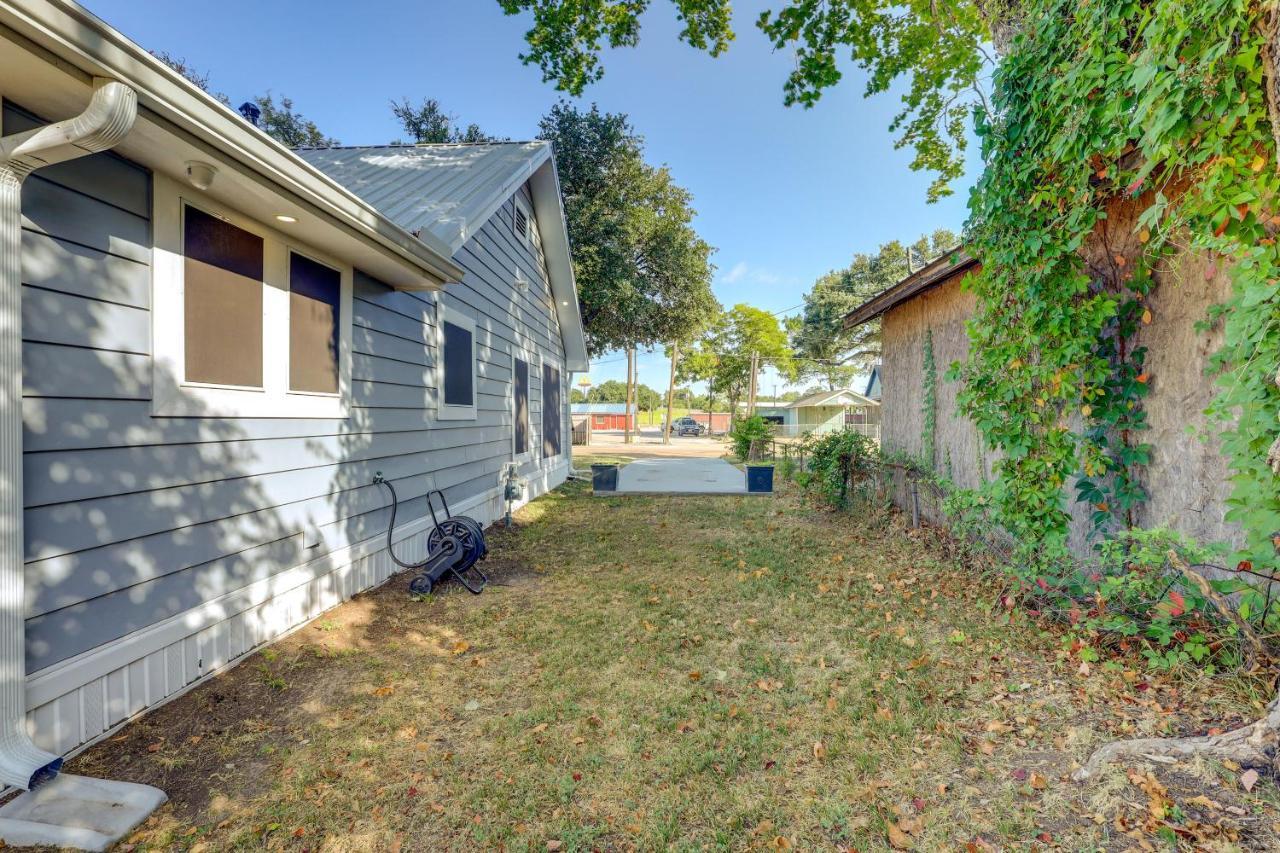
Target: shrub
841,467
746,432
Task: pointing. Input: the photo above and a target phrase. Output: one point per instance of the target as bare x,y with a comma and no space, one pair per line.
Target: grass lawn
689,673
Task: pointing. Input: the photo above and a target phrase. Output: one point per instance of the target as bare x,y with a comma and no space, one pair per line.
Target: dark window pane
521,385
551,415
222,302
314,294
458,368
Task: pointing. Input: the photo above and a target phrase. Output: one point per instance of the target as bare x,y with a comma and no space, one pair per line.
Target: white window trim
531,358
444,411
172,395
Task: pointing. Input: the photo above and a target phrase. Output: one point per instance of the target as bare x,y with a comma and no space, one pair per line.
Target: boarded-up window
521,390
222,302
551,415
314,294
459,366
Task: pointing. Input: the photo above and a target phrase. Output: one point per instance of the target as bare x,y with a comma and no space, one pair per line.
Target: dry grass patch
691,673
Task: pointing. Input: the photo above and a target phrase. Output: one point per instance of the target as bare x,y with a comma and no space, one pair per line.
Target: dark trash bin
604,478
760,479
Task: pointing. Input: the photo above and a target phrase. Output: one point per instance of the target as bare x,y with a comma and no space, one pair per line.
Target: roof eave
549,210
90,46
926,278
497,199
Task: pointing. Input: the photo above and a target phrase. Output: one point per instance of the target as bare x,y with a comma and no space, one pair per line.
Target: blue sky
785,194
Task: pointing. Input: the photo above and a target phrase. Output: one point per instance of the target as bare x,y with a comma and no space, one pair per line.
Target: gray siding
133,519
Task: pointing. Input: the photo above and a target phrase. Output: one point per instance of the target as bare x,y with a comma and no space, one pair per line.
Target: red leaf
1244,566
1179,603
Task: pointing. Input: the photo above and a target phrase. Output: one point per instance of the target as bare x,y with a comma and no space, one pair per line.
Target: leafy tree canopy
644,275
937,47
288,126
429,123
825,350
281,122
722,355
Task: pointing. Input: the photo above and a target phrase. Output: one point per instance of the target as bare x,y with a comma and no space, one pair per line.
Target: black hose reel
454,546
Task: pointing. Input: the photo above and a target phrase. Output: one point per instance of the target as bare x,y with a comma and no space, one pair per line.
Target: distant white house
873,385
824,412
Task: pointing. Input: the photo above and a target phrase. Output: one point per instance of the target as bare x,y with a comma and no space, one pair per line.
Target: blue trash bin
760,479
604,478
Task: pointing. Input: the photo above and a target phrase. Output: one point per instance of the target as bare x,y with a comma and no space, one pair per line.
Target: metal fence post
915,501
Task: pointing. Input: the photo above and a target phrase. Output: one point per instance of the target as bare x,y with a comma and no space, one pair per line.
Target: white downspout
106,121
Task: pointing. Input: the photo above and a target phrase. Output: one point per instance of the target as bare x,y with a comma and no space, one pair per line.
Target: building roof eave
926,278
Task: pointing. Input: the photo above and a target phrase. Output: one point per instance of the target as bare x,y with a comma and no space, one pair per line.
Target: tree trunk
1252,746
671,393
1270,22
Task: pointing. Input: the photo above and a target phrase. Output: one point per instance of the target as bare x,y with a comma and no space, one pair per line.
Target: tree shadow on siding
209,525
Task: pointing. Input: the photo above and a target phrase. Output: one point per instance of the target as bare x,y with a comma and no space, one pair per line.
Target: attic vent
521,224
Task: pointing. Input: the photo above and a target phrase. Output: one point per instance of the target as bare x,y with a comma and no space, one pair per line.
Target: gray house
220,341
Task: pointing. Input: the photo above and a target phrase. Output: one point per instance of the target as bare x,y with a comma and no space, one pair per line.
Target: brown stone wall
943,310
1187,478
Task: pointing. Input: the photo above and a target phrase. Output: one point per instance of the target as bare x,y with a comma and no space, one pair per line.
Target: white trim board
173,395
454,317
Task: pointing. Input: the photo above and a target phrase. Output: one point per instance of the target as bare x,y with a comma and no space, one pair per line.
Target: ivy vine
1120,133
929,405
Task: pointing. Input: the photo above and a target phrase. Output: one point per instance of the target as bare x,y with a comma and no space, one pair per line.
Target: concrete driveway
681,476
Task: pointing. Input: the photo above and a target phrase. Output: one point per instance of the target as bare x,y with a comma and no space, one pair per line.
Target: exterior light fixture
200,174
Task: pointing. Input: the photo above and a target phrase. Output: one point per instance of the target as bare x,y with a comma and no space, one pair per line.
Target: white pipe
106,121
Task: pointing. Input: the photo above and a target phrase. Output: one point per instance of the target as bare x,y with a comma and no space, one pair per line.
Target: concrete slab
682,476
77,812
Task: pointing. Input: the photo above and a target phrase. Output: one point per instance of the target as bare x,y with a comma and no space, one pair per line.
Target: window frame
560,413
292,250
172,394
534,360
453,411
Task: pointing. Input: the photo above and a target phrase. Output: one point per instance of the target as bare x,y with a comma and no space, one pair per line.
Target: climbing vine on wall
929,406
1119,133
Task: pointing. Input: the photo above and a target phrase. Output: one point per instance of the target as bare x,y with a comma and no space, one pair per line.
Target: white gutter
107,120
78,38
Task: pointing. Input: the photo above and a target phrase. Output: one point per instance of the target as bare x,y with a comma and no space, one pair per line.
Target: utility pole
711,405
671,393
751,394
585,384
626,405
635,389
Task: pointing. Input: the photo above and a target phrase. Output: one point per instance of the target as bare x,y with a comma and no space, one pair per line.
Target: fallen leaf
460,647
899,839
819,750
1248,779
382,692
